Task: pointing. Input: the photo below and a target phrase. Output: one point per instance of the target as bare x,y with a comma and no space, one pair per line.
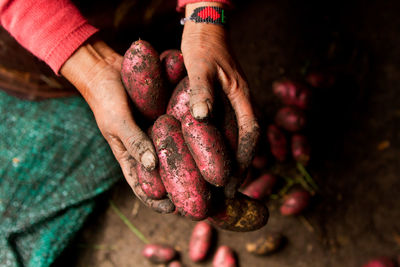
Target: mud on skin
183,181
240,214
172,62
208,149
142,77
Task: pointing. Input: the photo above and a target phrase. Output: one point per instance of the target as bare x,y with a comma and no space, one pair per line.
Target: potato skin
172,63
150,181
261,187
175,263
266,244
240,214
208,149
200,241
301,149
179,173
178,104
278,143
292,94
159,253
380,262
291,119
320,79
142,77
224,257
295,202
259,162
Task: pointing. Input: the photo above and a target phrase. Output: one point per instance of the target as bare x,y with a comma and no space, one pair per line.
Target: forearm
51,30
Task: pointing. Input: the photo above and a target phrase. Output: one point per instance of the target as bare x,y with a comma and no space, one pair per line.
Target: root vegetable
380,262
142,78
179,173
200,241
178,104
291,93
261,187
175,263
172,62
208,149
161,205
295,202
259,162
150,182
291,119
278,143
301,149
320,79
158,253
266,244
224,257
240,214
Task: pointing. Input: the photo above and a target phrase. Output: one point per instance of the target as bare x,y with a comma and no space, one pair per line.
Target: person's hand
207,58
94,69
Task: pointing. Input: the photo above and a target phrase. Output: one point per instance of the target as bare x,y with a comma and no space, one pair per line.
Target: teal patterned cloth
53,163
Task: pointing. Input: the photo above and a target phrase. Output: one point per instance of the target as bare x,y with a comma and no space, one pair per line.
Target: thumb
201,91
138,144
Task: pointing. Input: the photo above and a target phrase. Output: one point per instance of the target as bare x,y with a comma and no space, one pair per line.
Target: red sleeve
183,3
50,29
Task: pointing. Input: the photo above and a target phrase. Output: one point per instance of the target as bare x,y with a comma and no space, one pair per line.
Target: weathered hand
207,58
94,69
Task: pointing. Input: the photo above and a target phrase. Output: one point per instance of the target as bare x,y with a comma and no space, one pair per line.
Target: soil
354,129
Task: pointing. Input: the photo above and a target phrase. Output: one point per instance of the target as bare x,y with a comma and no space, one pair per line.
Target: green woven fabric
53,163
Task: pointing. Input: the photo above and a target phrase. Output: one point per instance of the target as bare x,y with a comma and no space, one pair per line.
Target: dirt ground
356,214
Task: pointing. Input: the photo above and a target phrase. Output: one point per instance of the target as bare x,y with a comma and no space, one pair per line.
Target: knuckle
136,144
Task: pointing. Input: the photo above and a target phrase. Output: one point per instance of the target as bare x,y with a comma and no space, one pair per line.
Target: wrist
195,26
85,67
189,8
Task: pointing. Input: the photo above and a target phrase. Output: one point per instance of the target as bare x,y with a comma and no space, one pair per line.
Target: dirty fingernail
148,160
200,110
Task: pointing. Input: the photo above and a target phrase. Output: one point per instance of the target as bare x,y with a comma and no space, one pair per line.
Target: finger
162,205
238,94
138,144
201,89
127,164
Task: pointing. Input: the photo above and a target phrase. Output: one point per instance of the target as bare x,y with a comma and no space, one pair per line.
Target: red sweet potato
300,149
175,263
178,104
278,142
259,162
291,119
179,173
159,205
320,79
261,187
295,202
291,93
150,182
172,62
158,253
208,149
200,241
240,214
224,257
142,77
380,262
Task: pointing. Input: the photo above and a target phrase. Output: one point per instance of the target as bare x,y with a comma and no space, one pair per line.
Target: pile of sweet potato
195,157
